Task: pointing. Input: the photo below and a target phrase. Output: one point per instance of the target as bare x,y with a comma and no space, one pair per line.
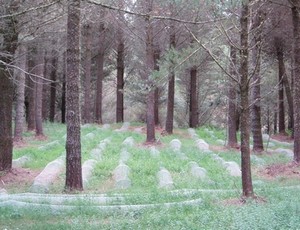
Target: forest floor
190,203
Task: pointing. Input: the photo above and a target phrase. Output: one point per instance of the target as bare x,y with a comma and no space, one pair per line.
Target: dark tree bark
281,115
156,57
194,118
10,38
63,100
275,121
256,126
244,90
171,86
73,145
20,105
87,116
296,67
53,78
289,97
100,73
46,88
150,67
120,77
232,100
39,71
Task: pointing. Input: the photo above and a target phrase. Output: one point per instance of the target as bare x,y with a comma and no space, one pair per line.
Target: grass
280,211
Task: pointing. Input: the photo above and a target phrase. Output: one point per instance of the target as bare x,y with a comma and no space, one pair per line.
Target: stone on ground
129,142
175,145
287,152
87,171
192,133
220,142
165,179
124,156
196,170
124,127
89,136
43,181
20,162
49,145
202,145
233,168
154,152
96,154
218,158
121,176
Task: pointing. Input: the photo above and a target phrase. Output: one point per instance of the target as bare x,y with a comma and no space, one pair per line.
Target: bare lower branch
155,17
30,74
28,10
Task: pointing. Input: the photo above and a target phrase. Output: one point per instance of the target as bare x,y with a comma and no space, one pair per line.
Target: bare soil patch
17,178
283,137
290,170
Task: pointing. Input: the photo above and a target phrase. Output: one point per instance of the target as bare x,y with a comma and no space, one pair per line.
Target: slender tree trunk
87,118
244,89
53,78
281,117
73,144
275,121
231,121
120,77
9,41
194,119
20,105
156,57
100,73
256,126
296,68
289,97
39,71
46,89
171,86
150,67
31,91
63,100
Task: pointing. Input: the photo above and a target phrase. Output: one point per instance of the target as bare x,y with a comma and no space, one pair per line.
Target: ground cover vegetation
216,196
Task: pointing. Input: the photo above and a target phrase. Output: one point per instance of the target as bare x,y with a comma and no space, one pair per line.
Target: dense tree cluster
232,64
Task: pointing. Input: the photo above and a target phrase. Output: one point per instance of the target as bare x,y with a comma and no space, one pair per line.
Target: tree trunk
100,73
281,117
39,71
63,100
256,127
193,99
232,114
6,101
73,144
53,78
120,77
171,85
20,104
156,57
30,91
9,41
46,88
296,68
244,90
289,97
150,67
87,118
